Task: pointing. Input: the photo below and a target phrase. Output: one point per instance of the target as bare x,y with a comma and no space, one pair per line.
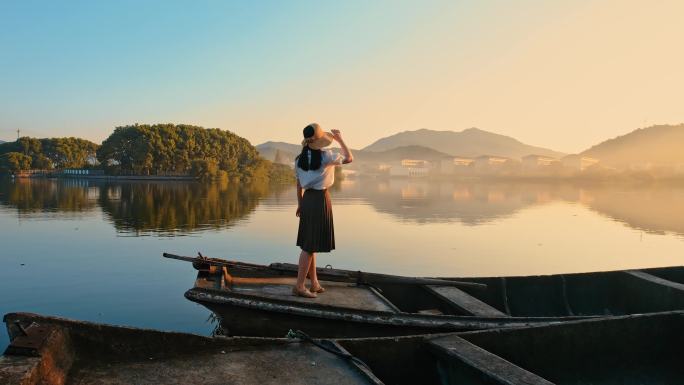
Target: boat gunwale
223,297
569,323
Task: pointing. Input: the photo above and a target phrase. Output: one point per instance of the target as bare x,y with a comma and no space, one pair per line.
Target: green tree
15,161
205,169
162,148
53,152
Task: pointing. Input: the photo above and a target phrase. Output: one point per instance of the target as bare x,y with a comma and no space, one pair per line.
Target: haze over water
92,250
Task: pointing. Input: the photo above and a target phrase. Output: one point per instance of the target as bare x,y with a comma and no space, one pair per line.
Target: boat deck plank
464,301
493,367
287,364
339,294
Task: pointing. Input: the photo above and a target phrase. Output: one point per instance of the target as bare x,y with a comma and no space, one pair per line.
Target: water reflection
179,208
471,203
33,196
166,208
656,210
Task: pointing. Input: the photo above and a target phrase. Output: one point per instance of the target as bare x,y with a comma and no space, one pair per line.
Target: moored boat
634,349
256,299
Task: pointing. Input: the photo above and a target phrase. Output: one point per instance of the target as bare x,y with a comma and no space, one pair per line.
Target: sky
558,74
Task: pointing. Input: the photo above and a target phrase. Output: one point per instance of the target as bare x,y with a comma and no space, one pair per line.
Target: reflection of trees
178,207
44,195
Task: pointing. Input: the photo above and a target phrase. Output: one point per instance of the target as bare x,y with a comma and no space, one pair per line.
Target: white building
578,162
455,165
410,168
488,163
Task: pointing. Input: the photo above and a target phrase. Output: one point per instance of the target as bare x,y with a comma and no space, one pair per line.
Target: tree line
46,154
159,149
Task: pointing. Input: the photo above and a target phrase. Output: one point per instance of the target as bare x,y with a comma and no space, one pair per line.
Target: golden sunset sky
558,74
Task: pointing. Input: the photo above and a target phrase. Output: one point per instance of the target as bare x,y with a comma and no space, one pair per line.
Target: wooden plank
489,365
464,301
657,280
376,278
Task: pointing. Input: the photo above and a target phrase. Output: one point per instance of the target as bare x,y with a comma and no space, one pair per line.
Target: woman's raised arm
348,157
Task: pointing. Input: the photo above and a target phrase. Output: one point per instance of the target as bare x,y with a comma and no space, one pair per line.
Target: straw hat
315,137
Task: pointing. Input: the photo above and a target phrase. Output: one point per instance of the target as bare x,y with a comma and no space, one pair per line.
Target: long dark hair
303,161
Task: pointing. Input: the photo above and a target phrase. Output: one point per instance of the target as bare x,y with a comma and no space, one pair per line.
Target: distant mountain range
662,144
658,145
286,152
471,142
425,144
2,141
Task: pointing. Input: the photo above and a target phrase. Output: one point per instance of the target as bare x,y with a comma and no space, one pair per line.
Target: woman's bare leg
304,262
313,275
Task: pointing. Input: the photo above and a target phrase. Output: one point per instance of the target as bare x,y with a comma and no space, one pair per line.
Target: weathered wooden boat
635,349
625,350
256,300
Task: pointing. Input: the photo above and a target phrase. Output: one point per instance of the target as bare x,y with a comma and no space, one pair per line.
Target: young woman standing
315,170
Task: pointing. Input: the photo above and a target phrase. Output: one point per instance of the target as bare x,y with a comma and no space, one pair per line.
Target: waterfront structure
410,168
578,162
81,172
456,165
488,164
537,162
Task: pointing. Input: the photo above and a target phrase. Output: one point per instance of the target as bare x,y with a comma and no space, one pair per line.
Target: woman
315,169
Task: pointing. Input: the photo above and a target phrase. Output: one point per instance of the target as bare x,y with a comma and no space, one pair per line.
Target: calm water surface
92,250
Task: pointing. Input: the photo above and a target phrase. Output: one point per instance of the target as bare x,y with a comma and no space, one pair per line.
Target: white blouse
324,177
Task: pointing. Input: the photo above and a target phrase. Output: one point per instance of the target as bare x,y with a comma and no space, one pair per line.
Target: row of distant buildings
533,165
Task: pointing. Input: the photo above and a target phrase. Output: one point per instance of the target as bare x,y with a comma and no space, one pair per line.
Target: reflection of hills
178,207
43,195
656,210
471,203
652,209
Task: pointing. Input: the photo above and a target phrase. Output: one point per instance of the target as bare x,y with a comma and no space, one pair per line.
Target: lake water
92,250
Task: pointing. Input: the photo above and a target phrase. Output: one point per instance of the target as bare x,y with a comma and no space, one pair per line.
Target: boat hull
244,316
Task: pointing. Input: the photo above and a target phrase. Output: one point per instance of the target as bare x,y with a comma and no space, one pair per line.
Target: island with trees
150,151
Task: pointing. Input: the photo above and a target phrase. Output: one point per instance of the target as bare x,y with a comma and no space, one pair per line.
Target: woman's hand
337,135
298,212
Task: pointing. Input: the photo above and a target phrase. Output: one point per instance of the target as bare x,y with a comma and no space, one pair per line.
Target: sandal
303,293
319,289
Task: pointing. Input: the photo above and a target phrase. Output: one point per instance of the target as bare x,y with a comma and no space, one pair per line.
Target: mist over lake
92,250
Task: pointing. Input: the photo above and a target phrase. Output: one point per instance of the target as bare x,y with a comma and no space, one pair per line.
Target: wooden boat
258,301
634,349
626,350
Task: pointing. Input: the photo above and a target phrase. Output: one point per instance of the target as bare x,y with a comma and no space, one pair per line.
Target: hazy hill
289,151
399,153
470,142
2,141
656,144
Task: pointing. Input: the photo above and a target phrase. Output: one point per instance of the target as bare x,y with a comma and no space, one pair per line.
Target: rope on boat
298,334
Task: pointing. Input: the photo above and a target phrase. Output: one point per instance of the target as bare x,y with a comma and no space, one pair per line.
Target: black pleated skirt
316,233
